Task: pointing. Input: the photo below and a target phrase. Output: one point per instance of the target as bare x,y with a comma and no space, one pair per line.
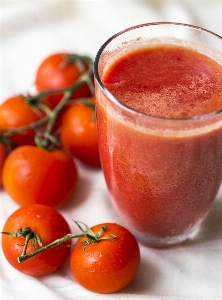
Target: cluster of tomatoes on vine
45,130
40,135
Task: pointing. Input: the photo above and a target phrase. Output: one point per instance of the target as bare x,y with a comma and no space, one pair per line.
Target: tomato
109,265
34,175
3,154
59,71
78,133
54,98
50,225
15,113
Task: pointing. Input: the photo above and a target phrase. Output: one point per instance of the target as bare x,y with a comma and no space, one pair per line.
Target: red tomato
34,175
78,133
109,265
3,154
49,225
54,99
57,71
15,113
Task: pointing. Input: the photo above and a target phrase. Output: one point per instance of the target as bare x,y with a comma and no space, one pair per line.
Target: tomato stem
6,142
28,234
21,129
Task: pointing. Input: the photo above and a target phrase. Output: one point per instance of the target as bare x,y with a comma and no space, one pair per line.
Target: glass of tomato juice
159,118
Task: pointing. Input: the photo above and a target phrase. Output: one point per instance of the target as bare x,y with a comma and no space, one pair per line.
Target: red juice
162,179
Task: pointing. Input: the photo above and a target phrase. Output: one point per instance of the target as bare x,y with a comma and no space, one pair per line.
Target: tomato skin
55,72
34,175
49,225
107,266
3,154
15,113
54,99
78,133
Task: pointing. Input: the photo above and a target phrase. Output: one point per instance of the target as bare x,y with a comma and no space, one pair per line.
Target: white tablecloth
30,30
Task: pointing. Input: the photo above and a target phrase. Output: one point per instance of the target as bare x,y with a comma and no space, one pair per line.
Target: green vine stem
29,235
47,139
6,142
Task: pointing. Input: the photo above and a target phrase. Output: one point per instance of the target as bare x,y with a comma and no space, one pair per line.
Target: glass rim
118,102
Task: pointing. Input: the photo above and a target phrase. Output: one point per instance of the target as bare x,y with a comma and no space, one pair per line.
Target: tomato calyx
29,235
92,237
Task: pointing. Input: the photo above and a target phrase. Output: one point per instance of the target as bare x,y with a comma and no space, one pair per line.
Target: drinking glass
163,174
